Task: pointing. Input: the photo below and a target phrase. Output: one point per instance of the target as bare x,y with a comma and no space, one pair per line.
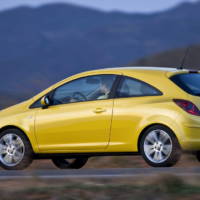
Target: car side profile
118,111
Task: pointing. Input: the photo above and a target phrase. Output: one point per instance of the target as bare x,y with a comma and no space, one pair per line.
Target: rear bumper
191,139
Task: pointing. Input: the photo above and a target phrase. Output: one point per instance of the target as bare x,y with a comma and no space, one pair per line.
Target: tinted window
84,89
188,82
36,104
132,88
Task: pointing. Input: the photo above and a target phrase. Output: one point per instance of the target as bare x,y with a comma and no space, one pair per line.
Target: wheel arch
15,127
149,126
10,127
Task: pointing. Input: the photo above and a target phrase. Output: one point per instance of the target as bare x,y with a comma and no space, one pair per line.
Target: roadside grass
162,187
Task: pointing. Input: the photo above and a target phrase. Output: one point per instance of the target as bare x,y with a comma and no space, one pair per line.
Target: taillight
188,106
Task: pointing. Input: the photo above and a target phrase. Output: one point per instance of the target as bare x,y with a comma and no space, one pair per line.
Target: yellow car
120,111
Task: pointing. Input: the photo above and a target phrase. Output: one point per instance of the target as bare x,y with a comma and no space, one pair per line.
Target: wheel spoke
160,156
8,159
164,137
149,149
3,149
17,156
155,136
155,156
8,139
166,149
152,138
18,142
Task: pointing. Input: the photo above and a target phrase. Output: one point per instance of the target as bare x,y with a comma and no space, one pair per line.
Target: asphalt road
97,173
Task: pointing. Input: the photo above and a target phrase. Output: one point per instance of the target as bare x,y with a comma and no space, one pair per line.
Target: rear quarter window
190,83
130,87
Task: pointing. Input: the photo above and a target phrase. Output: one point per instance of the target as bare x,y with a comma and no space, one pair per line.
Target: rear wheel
15,150
198,155
159,147
75,163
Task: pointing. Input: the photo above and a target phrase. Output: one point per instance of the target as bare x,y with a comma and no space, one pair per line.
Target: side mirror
45,102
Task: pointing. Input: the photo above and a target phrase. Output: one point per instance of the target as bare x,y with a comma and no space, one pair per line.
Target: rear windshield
188,82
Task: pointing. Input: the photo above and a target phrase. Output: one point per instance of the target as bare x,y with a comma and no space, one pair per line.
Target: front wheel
15,150
75,163
159,147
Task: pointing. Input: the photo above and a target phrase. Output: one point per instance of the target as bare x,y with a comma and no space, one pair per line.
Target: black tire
198,155
174,154
27,157
63,163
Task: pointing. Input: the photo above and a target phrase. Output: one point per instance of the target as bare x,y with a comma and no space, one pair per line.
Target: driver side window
84,89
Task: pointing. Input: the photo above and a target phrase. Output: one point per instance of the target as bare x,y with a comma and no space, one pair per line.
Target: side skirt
82,155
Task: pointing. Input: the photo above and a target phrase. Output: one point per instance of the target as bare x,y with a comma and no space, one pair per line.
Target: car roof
143,68
138,69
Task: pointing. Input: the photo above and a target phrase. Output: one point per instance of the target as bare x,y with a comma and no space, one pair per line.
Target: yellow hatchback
154,112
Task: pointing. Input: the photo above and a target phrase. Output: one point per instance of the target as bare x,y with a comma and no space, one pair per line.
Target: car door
132,100
79,117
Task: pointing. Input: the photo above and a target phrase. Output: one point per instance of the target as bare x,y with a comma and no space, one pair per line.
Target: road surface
97,173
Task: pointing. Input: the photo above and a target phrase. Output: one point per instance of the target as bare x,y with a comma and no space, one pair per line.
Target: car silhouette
149,111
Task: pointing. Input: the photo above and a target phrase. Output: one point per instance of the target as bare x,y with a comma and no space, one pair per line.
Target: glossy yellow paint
74,126
82,127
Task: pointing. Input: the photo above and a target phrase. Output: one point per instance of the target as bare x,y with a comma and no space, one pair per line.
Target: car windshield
188,82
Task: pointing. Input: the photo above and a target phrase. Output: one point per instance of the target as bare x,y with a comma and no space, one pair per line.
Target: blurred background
44,41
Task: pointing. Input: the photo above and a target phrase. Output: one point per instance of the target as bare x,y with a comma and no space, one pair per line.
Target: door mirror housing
45,102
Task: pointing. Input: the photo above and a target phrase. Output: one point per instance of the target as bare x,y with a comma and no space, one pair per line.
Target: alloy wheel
11,149
158,146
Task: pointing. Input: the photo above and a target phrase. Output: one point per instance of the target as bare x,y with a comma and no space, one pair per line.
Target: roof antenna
184,58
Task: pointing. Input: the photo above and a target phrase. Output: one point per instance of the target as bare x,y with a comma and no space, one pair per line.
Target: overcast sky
122,5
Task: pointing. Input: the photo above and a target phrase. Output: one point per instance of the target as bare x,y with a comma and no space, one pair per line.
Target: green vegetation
164,187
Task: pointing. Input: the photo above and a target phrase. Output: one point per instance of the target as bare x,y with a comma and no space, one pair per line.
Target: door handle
99,110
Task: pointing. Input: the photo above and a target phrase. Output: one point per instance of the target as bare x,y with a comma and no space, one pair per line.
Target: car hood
12,110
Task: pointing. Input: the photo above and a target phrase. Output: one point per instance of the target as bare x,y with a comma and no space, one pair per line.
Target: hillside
10,99
40,46
173,58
